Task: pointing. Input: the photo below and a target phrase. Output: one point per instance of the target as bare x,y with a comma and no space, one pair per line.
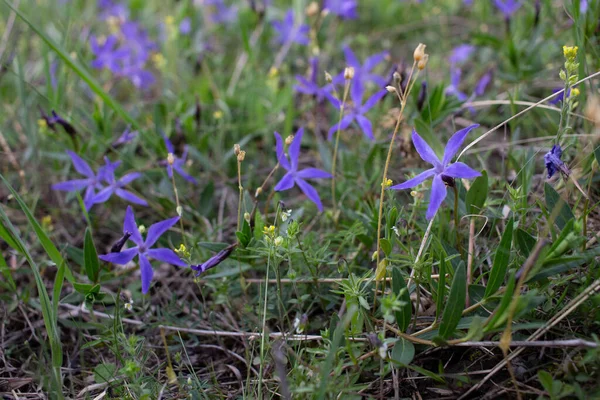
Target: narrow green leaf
441,291
597,154
553,200
455,304
477,194
6,235
386,246
7,273
498,315
404,352
399,287
90,257
59,279
501,259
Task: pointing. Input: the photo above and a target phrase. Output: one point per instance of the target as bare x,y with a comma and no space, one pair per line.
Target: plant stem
337,141
457,221
241,189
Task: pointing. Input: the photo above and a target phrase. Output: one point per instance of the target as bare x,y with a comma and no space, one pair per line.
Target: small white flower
129,305
278,241
285,215
383,350
395,229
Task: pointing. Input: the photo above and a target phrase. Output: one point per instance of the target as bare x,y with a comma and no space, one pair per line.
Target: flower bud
328,77
312,9
391,89
170,158
258,192
236,149
419,53
241,156
278,241
423,62
179,210
289,140
348,73
397,76
247,217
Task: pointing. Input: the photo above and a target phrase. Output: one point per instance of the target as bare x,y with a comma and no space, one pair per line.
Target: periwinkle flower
355,112
345,9
178,162
452,89
185,26
554,163
289,31
295,177
311,87
508,7
90,183
363,73
214,260
127,136
143,248
107,52
222,13
442,171
115,186
483,83
560,97
461,53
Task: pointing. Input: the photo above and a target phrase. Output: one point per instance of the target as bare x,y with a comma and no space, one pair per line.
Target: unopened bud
179,210
419,52
397,76
170,158
312,9
328,77
289,140
423,63
391,89
278,241
236,149
348,73
258,192
241,155
247,217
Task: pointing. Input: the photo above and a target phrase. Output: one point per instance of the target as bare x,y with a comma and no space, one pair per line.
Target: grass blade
456,303
501,259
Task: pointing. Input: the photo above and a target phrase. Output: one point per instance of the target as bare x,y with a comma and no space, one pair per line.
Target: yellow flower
575,92
159,60
269,230
169,20
570,52
388,182
218,114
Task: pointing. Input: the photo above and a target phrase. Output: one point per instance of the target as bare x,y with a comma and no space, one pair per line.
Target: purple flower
222,14
90,183
107,54
483,83
178,162
362,72
461,53
442,171
583,6
289,31
295,177
311,87
355,112
452,89
214,260
185,26
115,186
143,248
554,163
508,7
346,9
558,98
126,137
111,9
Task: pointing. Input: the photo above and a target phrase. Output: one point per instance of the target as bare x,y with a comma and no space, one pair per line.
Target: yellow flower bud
423,62
170,158
575,92
419,52
348,73
570,52
289,140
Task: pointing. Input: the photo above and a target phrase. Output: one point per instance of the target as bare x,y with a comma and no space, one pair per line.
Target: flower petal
166,255
281,158
130,226
130,197
128,178
146,272
313,173
426,153
310,192
438,194
456,142
168,144
294,150
373,100
351,59
184,174
286,183
365,126
372,61
103,195
80,165
156,230
417,180
71,186
121,258
460,170
346,121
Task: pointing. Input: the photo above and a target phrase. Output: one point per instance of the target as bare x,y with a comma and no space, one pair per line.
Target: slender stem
470,256
178,208
241,189
457,220
421,249
264,329
337,142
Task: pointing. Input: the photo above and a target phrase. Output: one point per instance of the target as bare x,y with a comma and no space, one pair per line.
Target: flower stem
241,189
337,141
457,220
179,210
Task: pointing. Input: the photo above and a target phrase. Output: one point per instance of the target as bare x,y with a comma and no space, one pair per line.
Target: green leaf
399,287
441,292
6,235
386,246
597,154
90,257
499,314
404,352
557,206
477,194
6,272
546,380
501,259
104,372
525,242
243,239
558,265
83,288
455,304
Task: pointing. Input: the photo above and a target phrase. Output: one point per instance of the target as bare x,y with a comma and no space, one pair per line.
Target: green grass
301,310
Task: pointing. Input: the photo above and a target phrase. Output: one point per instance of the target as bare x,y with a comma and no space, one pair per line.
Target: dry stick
525,343
480,138
485,103
470,256
568,309
385,169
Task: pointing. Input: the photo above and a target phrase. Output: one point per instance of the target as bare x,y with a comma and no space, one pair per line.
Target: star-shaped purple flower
346,9
289,31
355,112
115,186
178,162
557,99
222,13
363,73
127,136
508,7
461,53
295,177
311,87
143,248
554,163
442,170
91,182
108,54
